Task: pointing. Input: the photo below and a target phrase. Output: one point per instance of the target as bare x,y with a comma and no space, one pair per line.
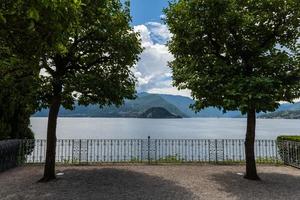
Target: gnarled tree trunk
251,172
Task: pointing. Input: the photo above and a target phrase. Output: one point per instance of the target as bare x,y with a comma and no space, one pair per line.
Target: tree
25,34
16,99
93,65
237,55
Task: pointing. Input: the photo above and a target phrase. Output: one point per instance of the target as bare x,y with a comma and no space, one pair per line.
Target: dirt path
182,182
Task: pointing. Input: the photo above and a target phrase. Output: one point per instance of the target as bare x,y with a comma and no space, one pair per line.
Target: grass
169,159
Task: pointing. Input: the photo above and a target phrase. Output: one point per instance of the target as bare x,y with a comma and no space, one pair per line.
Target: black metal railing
152,151
289,152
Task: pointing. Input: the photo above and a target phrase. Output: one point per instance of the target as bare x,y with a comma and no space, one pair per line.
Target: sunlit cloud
152,71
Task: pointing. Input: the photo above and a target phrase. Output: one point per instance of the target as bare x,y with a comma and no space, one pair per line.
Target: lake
186,128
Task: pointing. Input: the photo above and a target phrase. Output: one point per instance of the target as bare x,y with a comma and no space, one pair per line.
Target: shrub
9,154
14,152
295,138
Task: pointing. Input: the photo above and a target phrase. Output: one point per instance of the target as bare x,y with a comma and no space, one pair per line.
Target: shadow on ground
272,186
107,183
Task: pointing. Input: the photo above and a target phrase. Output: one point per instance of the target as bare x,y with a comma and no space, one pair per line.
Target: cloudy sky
152,72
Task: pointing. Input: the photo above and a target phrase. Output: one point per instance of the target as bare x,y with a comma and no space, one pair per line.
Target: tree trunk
251,172
49,170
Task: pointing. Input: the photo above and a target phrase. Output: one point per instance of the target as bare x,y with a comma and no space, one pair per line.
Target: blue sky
152,70
144,11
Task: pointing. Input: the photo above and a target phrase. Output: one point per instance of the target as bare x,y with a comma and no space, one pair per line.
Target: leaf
31,26
61,49
33,14
2,19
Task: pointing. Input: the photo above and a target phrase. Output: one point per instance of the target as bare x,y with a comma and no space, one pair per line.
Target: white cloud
144,35
162,17
152,72
171,90
159,32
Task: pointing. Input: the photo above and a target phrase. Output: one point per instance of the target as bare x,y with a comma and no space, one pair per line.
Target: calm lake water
187,128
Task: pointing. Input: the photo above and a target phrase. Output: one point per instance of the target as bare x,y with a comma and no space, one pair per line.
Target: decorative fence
289,151
151,151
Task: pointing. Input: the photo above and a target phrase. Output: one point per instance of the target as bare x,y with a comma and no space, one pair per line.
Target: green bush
9,154
289,148
295,138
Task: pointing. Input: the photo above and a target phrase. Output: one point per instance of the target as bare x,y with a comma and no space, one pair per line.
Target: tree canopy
28,29
17,84
94,62
31,27
236,53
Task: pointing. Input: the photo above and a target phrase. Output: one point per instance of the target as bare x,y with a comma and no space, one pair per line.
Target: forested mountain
131,108
183,103
175,104
158,112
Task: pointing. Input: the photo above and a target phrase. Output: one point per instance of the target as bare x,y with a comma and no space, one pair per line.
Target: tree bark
251,172
49,170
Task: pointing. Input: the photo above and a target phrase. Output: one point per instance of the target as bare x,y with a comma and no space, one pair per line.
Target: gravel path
174,182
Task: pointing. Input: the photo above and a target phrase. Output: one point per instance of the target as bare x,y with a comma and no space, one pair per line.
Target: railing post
208,150
72,151
87,151
223,150
216,146
141,149
148,149
155,156
79,151
288,150
276,151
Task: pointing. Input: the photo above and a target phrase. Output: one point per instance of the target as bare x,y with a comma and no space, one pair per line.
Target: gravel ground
137,182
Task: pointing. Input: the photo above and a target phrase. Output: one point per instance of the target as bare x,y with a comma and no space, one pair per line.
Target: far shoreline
94,117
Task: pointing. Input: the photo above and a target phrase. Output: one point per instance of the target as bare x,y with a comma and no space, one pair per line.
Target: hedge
9,154
13,152
295,138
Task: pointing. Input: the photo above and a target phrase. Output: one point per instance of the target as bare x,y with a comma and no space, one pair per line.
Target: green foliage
158,112
16,97
10,154
28,29
92,63
236,54
269,160
295,138
170,159
35,26
135,160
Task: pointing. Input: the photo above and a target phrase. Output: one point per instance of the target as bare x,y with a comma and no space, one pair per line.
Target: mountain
284,114
175,104
183,103
285,111
158,112
131,108
289,106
